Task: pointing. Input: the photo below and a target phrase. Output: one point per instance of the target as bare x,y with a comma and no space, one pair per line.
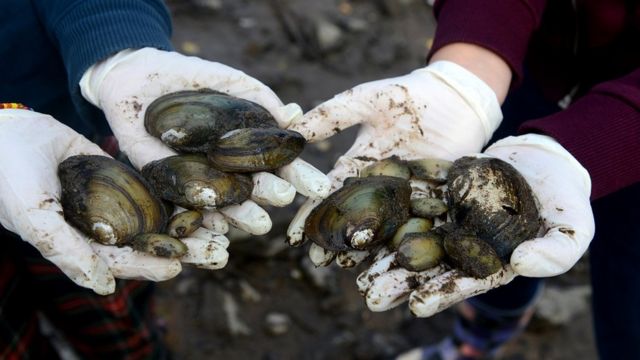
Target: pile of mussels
485,207
220,139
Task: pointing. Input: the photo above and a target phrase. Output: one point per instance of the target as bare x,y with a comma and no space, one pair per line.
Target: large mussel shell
489,198
256,149
190,121
378,203
191,182
107,200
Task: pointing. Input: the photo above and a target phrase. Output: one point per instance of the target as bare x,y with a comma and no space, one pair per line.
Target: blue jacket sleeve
87,31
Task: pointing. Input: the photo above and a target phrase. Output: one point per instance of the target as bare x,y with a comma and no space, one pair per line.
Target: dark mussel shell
107,200
376,203
193,120
191,182
489,198
256,149
471,254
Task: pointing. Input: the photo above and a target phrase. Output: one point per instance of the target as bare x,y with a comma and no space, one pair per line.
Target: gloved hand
440,111
31,147
561,186
125,84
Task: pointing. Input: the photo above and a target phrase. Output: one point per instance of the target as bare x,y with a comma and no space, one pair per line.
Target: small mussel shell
471,254
191,182
159,245
190,121
392,166
420,251
488,197
428,207
413,225
434,170
183,224
107,200
255,149
374,206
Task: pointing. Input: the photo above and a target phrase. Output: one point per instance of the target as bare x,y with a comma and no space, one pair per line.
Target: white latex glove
561,186
31,147
125,84
440,111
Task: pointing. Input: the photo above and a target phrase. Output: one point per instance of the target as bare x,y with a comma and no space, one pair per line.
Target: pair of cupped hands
440,111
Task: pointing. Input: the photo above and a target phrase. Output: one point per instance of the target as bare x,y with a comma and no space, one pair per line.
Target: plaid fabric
119,326
14,106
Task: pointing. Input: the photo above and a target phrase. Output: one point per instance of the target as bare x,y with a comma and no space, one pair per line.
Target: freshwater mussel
112,204
189,180
193,120
238,135
489,198
364,212
255,149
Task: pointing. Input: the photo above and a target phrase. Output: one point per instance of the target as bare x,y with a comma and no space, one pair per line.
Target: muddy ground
269,302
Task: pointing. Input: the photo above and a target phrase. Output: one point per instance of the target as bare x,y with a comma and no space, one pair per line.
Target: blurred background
270,302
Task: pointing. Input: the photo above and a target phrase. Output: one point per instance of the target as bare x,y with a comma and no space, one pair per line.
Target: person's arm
602,131
86,32
483,63
502,27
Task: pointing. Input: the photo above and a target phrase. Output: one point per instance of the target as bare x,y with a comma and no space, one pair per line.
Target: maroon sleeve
502,26
602,130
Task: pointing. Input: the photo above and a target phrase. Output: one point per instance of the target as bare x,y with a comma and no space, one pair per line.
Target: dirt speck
567,231
365,158
448,286
137,107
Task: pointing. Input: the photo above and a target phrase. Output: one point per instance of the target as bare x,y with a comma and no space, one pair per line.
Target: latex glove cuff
475,92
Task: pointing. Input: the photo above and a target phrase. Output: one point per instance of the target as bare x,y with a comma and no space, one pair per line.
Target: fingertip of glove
423,306
289,114
103,285
249,217
526,262
164,271
374,303
219,263
306,178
